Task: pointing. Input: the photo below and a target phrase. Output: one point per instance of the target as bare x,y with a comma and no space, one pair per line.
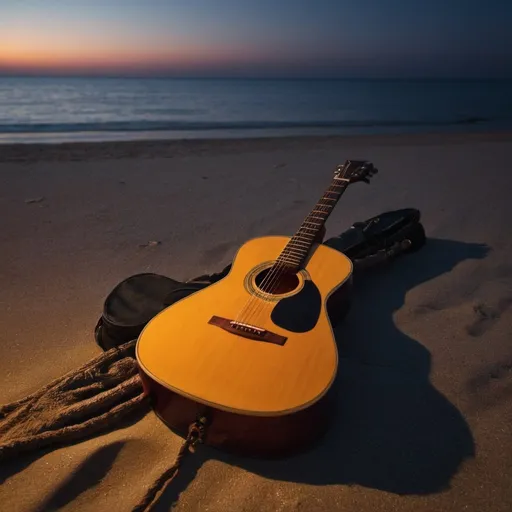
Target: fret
330,192
328,208
303,238
292,252
293,261
287,253
294,242
328,199
291,264
306,237
301,251
298,250
309,244
312,231
319,211
289,260
314,217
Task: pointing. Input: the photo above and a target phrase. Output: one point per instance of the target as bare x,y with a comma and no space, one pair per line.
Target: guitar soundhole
276,282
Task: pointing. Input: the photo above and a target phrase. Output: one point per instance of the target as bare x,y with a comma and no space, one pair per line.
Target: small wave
145,126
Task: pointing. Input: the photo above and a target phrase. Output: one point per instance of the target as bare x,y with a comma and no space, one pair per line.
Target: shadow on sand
392,430
90,473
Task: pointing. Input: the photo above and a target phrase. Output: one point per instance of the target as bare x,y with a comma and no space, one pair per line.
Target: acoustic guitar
254,353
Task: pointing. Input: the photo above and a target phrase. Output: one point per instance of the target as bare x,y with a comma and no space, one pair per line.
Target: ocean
96,109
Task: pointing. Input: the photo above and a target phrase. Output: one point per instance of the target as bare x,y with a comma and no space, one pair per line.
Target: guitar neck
300,245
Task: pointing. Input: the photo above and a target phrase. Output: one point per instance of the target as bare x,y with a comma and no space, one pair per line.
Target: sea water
55,109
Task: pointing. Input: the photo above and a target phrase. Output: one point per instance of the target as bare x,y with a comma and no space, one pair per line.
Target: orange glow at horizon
47,59
64,43
65,49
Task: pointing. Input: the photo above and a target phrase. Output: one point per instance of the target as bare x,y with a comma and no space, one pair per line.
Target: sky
306,38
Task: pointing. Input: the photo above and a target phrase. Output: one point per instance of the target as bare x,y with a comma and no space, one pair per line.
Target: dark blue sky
392,38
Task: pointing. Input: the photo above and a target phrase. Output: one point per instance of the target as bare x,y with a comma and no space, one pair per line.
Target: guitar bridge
247,331
251,329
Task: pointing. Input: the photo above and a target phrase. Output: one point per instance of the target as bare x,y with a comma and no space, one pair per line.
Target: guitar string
276,272
274,275
273,270
271,278
339,193
274,279
266,305
328,207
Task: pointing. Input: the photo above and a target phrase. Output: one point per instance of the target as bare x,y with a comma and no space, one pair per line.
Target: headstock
353,171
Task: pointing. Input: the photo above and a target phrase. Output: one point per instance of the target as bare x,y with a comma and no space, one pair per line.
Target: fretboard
298,248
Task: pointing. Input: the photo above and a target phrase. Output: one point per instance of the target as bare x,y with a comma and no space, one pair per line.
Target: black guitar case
137,299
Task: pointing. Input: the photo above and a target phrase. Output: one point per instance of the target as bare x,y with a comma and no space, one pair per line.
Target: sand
424,411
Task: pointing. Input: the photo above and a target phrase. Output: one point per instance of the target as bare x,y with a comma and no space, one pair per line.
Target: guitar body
262,382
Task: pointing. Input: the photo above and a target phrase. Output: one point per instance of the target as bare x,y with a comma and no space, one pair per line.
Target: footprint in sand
487,316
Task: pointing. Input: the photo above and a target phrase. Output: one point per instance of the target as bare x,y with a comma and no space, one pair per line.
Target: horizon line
4,74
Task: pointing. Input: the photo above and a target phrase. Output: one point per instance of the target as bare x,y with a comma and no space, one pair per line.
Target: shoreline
170,148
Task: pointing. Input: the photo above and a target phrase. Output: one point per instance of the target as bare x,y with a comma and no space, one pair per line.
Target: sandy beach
424,409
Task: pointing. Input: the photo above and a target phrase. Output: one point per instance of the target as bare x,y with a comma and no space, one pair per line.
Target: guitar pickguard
300,312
